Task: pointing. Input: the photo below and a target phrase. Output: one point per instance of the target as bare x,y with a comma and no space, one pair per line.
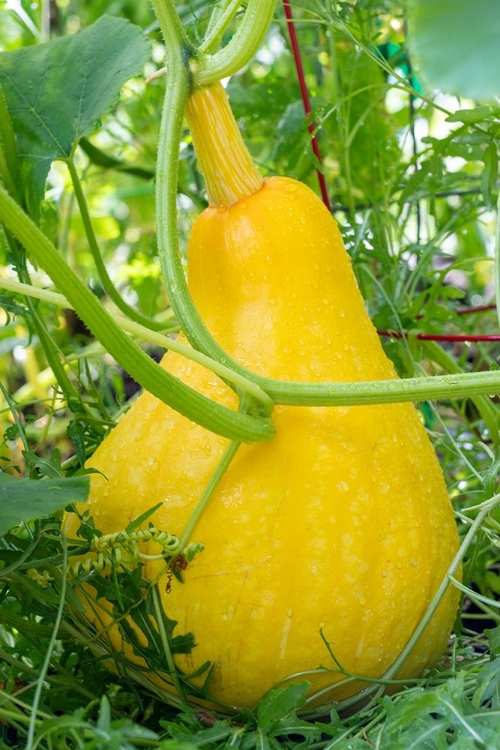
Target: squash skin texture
342,524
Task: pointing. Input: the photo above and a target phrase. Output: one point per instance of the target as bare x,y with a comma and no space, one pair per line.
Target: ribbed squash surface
342,524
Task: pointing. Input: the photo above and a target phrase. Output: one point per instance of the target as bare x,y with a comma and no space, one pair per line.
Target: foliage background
412,175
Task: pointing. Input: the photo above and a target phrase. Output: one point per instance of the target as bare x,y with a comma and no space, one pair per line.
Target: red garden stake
458,337
305,98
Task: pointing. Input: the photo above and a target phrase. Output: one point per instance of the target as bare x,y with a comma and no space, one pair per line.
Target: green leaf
488,679
455,43
27,499
56,92
8,152
490,173
471,116
136,523
276,704
493,636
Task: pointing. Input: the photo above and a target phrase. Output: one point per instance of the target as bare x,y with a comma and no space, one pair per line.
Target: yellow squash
340,525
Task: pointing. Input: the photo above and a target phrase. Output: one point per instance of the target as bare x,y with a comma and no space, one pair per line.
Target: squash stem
215,479
229,172
245,42
219,21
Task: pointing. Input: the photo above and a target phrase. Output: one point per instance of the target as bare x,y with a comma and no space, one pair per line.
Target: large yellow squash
342,524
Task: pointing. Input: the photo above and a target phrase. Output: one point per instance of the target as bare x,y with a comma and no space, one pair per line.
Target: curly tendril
122,550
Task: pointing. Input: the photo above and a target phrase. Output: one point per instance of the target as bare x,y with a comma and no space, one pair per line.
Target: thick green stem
213,416
108,285
219,21
386,391
244,44
307,394
53,357
176,41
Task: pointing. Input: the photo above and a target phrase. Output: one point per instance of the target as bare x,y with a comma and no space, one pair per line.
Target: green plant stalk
46,662
108,285
461,385
81,635
209,414
53,355
17,664
244,44
17,421
173,33
50,349
15,716
54,298
485,407
145,334
474,596
219,21
174,675
215,479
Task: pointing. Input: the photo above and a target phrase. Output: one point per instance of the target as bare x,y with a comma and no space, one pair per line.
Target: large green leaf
27,499
456,45
56,92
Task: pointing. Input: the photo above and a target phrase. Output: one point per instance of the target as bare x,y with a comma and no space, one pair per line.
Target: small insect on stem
177,565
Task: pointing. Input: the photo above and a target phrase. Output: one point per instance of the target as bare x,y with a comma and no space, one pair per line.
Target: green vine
280,391
153,337
101,269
